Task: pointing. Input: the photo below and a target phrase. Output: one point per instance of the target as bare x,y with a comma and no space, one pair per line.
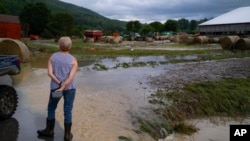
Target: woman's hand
62,87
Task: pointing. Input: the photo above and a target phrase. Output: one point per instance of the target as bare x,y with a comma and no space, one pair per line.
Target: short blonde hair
65,43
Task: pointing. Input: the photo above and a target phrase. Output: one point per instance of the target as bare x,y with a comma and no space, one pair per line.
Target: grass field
206,52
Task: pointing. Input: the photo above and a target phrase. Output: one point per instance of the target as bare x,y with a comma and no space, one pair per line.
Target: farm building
95,34
10,27
235,22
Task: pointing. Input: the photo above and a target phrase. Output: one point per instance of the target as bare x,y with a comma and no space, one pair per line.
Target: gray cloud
160,10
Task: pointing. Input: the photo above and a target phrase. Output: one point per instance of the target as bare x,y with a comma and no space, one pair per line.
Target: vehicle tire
8,101
9,129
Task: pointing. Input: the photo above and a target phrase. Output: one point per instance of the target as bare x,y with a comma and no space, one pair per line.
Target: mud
183,73
105,99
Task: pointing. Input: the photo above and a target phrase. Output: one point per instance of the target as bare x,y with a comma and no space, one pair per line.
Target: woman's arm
72,74
51,74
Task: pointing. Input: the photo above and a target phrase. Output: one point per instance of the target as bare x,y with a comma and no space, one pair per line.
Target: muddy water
105,99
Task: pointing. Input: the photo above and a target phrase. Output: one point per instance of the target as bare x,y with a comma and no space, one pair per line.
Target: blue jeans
69,97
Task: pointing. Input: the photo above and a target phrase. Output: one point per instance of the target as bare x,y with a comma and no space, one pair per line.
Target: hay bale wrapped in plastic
201,40
14,47
229,42
243,44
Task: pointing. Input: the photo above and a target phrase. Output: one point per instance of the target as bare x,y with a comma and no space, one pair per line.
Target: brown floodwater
105,101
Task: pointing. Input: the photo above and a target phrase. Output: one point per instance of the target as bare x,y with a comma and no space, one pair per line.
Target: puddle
104,99
40,61
187,57
103,102
216,129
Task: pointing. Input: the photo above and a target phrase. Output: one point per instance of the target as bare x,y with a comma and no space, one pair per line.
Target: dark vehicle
9,65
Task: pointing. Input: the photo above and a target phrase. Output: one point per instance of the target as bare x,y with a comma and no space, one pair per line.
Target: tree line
181,25
39,20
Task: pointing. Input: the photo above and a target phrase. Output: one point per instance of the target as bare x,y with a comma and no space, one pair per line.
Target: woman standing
62,68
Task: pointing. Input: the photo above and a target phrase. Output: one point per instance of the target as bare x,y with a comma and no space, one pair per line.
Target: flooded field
104,102
107,100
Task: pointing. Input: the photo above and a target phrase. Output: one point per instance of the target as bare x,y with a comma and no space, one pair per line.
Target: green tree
171,25
157,26
78,30
184,25
133,26
146,29
193,25
130,26
36,16
202,20
60,24
2,9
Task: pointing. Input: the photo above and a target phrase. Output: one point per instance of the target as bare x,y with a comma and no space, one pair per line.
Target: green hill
82,16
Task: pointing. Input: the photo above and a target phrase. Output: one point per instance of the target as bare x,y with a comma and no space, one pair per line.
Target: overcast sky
147,11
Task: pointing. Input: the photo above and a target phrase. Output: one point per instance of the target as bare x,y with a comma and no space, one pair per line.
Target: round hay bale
157,37
175,39
14,47
243,44
90,40
109,39
185,39
189,40
163,37
229,42
103,39
149,39
84,38
201,39
116,40
132,38
214,40
121,39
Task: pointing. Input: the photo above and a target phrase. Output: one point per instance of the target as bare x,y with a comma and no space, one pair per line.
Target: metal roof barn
235,22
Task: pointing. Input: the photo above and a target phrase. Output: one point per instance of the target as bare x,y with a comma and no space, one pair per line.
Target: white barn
235,22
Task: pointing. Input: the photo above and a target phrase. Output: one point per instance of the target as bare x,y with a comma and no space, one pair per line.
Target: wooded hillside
82,16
